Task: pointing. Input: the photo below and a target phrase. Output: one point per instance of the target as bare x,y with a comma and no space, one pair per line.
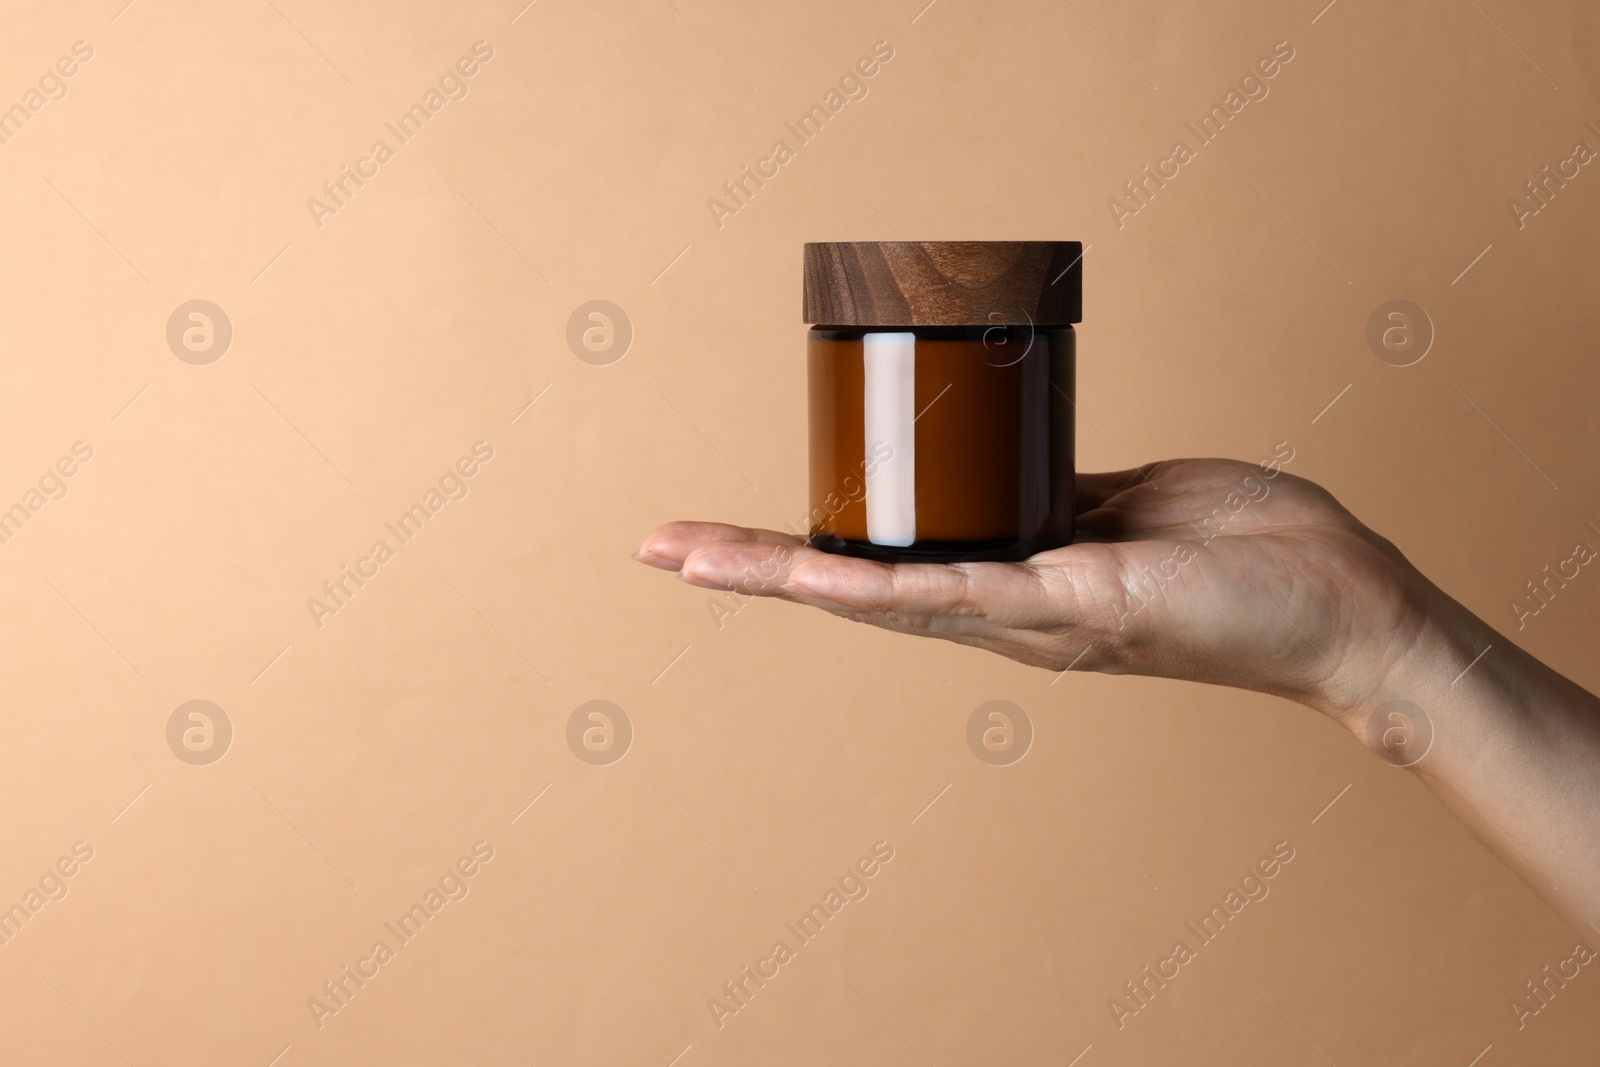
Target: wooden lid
943,283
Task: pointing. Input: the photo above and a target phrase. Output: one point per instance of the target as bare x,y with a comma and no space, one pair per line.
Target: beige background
769,753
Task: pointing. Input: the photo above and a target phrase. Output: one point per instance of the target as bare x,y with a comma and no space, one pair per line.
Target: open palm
1204,569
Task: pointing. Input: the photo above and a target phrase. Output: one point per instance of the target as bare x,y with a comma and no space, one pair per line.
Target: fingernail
701,581
650,559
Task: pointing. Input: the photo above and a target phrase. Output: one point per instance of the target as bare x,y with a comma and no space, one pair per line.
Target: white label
889,384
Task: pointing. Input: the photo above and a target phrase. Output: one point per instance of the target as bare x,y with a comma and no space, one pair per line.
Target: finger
1091,491
752,569
671,544
758,569
1025,646
1002,594
1192,493
1081,649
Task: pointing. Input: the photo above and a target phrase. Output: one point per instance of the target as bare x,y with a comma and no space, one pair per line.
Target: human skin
1285,593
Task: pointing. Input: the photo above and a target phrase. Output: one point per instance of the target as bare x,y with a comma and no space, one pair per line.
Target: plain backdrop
377,340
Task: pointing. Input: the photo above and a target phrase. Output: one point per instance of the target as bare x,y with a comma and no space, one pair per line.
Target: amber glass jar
941,397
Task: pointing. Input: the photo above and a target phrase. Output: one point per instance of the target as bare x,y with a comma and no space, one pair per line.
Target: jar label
889,385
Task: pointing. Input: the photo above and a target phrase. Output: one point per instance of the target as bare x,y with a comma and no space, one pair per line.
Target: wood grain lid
943,283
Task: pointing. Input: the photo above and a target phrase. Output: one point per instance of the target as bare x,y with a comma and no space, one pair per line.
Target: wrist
1406,656
1442,685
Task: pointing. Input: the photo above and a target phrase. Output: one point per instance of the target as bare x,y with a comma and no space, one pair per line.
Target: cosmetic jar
940,382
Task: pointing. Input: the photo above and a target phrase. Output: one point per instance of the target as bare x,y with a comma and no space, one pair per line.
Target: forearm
1515,749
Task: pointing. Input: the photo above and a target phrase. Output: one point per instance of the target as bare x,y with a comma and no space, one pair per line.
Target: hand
1241,575
1209,570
